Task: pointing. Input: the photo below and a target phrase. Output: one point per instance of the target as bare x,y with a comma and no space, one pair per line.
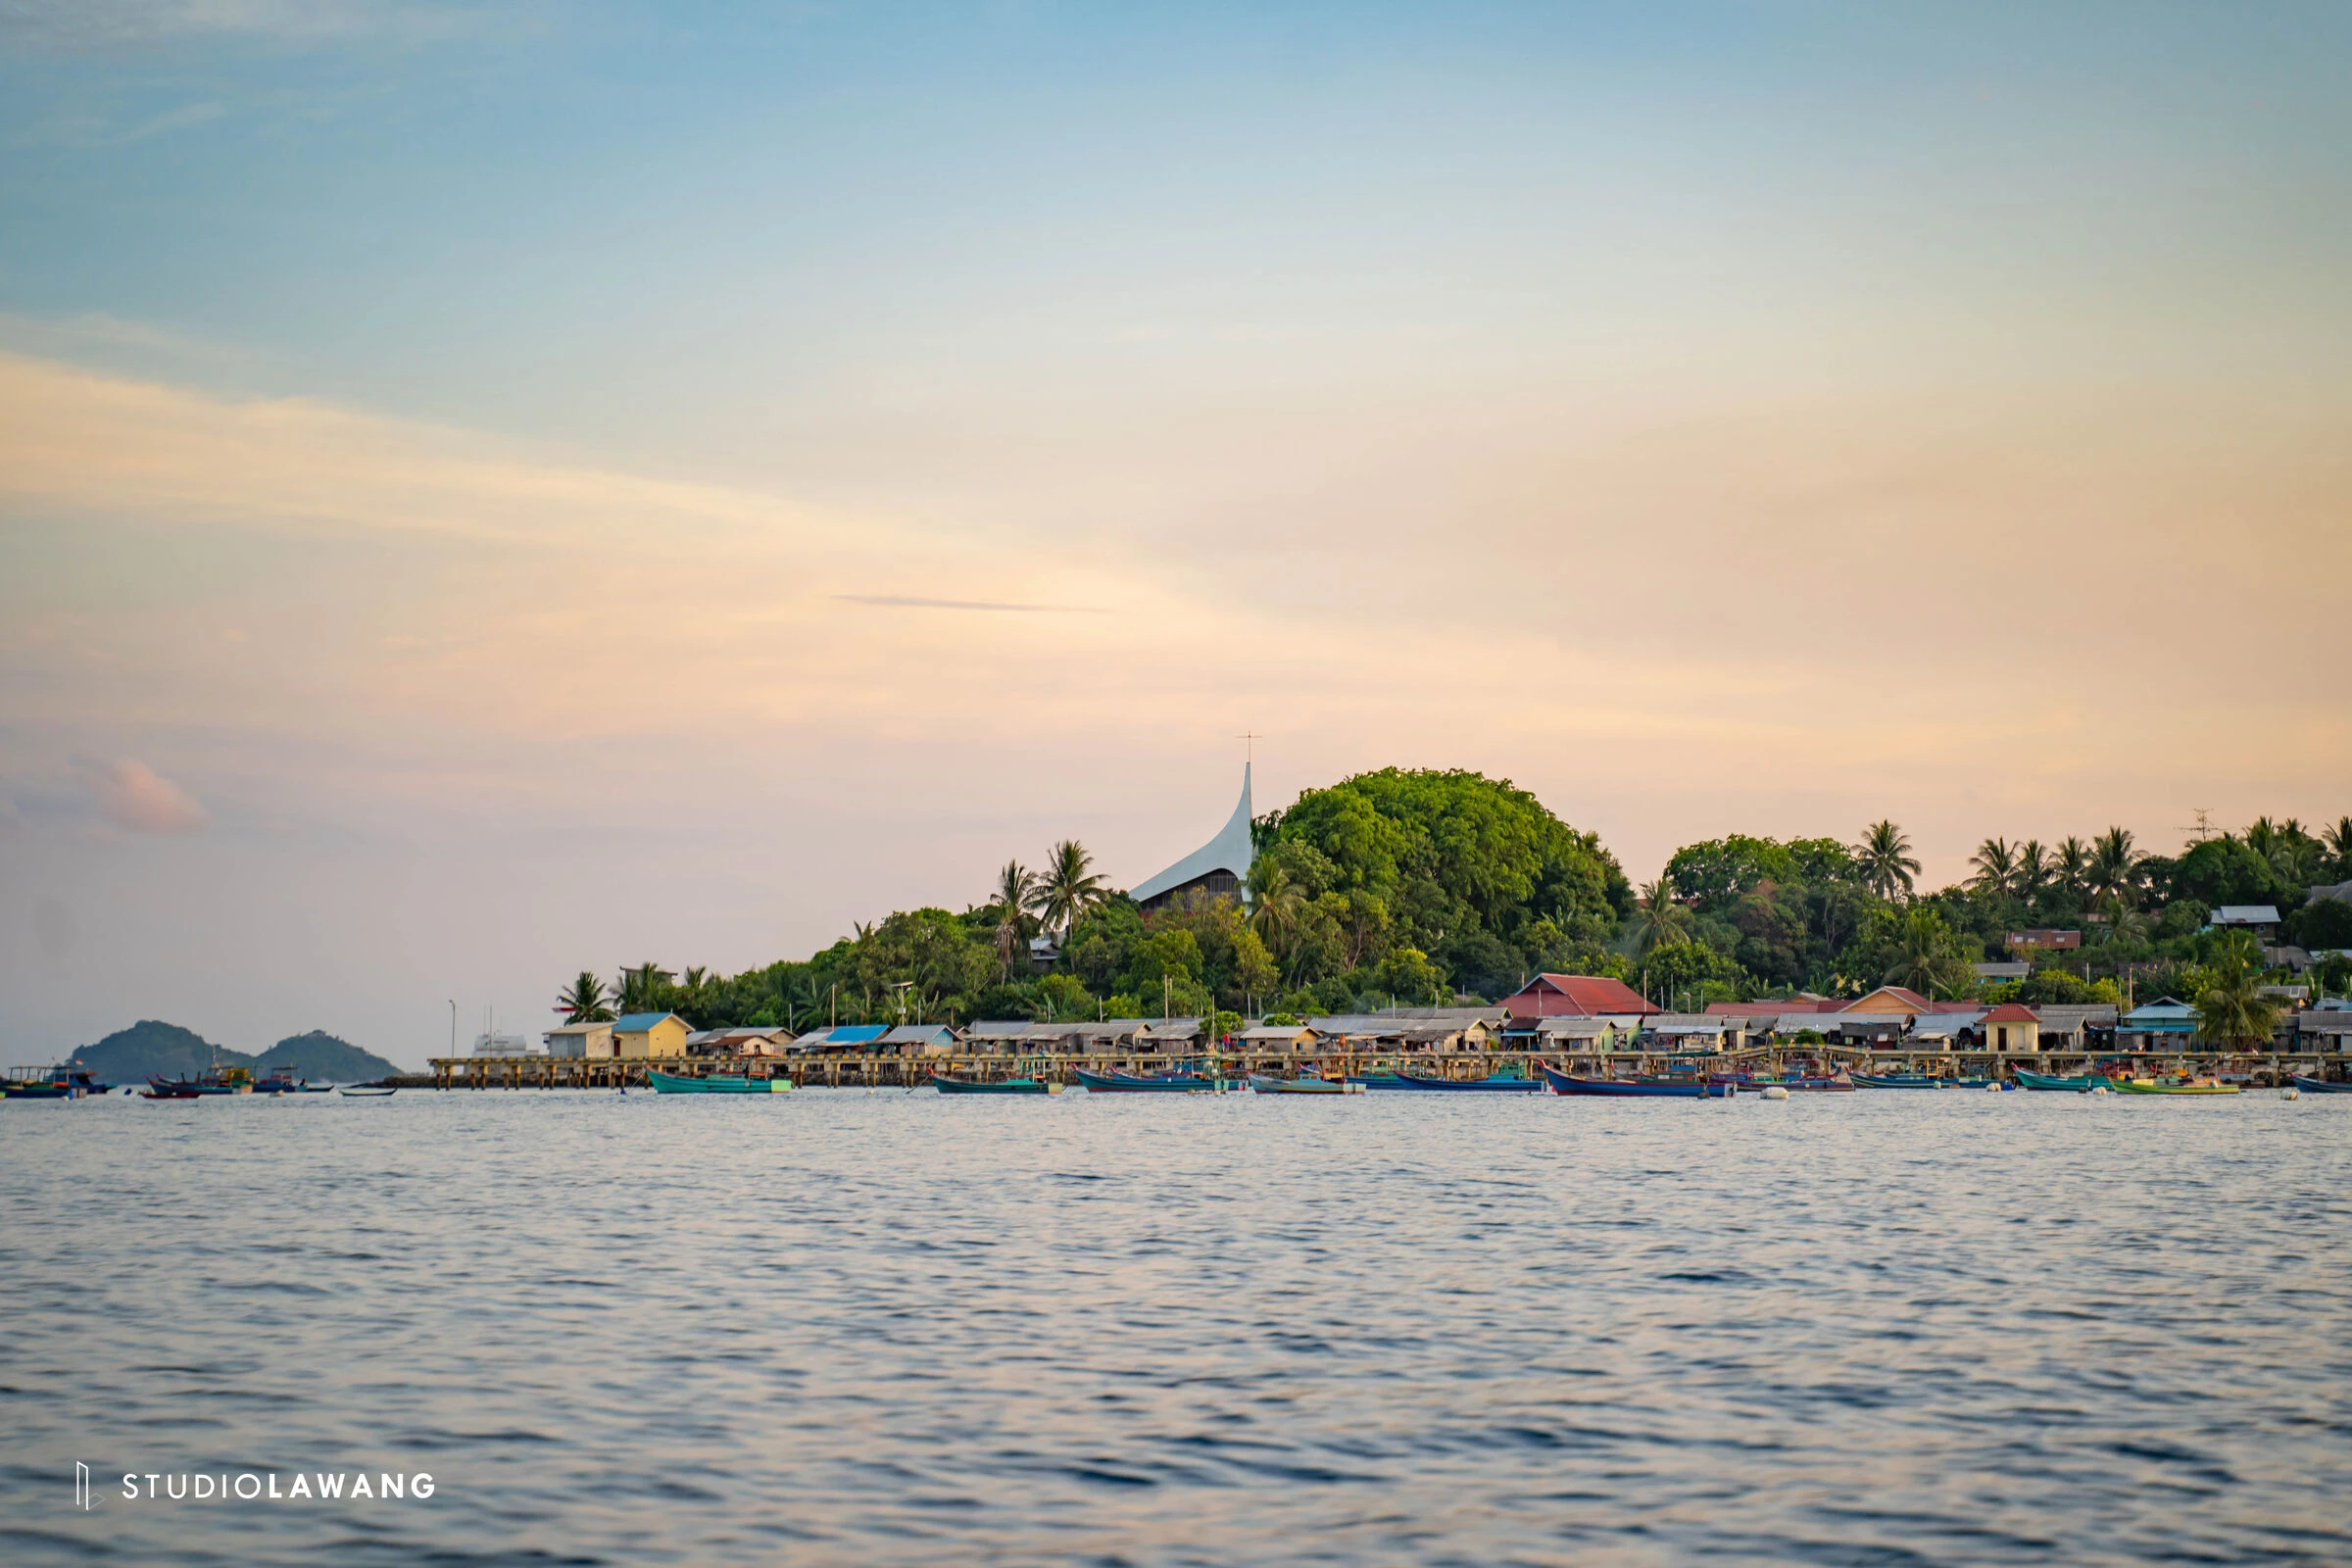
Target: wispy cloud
910,602
138,799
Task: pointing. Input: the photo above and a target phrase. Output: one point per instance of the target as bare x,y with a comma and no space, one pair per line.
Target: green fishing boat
717,1084
974,1086
2079,1083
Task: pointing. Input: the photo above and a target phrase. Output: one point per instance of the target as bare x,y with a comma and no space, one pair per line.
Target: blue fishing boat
1561,1083
1495,1084
1166,1083
975,1086
2317,1086
717,1084
1379,1080
1915,1080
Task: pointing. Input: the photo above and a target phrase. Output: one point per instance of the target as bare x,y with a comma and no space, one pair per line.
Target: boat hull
966,1085
1297,1086
1864,1080
2134,1086
670,1084
2321,1086
1118,1083
1502,1086
2050,1083
1561,1083
365,1092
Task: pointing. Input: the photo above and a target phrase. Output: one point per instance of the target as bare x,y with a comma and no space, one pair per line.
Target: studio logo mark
81,1485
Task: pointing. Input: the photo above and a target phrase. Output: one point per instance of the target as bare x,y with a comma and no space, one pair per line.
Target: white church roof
1229,850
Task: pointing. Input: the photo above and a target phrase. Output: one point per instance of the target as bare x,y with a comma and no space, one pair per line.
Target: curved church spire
1219,868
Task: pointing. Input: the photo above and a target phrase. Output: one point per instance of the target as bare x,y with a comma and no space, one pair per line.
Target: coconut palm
1996,866
1928,957
2339,839
2032,872
2113,863
2233,1012
644,988
583,1000
2070,865
1884,858
1066,890
1660,919
1277,909
1017,887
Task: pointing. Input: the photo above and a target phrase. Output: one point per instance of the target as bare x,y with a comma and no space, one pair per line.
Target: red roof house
1575,996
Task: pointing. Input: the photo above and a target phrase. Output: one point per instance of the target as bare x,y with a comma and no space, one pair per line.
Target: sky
493,490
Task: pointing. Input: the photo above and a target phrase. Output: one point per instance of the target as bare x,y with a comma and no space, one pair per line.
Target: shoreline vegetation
1441,888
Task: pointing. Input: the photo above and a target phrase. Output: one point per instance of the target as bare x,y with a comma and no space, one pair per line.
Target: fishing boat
366,1090
1914,1080
2320,1085
716,1083
1379,1080
1166,1083
1493,1085
1261,1083
2188,1086
972,1086
2079,1083
236,1081
50,1082
278,1083
1562,1083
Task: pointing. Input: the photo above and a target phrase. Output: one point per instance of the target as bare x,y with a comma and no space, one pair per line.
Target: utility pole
453,1026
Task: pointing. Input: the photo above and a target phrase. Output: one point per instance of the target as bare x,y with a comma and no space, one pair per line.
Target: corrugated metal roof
2244,915
634,1023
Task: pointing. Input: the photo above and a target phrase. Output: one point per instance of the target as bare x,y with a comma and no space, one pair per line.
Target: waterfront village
1450,922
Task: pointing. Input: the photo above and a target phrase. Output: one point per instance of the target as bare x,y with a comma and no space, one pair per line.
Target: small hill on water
151,1047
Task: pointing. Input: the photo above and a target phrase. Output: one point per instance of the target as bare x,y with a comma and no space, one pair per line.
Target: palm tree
1015,888
1884,858
1066,890
1926,959
1277,909
583,1000
643,989
2233,1012
2339,839
2113,863
1996,866
1660,920
2070,864
2033,870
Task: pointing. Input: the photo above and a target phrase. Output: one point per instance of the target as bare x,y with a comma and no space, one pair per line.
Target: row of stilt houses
1552,1017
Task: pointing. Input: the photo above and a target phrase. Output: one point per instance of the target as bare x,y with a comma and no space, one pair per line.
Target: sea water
853,1327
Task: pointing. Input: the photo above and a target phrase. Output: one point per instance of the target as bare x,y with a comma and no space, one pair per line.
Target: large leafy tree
1927,955
1439,853
1884,860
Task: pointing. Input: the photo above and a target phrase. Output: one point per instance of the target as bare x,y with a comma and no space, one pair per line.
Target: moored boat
1562,1083
1177,1083
1489,1084
1379,1080
975,1086
366,1090
1259,1083
717,1084
2079,1083
2155,1086
1914,1080
50,1082
2321,1086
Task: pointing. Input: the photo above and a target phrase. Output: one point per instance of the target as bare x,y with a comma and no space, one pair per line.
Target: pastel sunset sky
491,490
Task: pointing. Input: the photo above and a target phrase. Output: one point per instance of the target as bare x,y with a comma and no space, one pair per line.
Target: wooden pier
842,1071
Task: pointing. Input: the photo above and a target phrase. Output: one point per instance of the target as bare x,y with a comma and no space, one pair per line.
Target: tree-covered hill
151,1047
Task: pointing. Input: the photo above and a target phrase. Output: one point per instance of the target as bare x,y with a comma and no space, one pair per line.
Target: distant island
151,1046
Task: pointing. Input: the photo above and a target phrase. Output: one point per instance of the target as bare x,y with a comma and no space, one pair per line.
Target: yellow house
649,1034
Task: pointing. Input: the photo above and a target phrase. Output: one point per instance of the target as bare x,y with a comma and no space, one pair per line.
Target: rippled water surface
893,1328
